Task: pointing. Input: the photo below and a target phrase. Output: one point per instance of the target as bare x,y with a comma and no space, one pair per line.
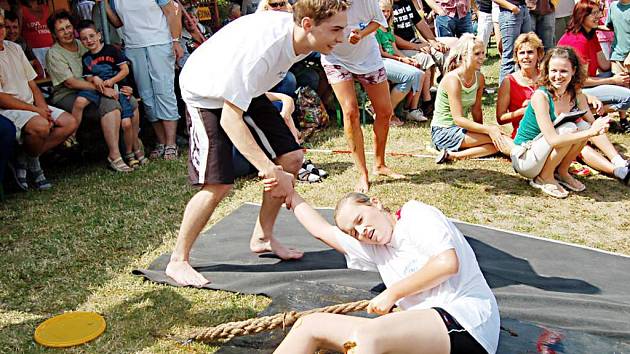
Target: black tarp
577,299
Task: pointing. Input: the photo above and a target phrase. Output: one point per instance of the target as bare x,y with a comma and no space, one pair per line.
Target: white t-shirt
243,60
422,232
144,23
365,56
16,72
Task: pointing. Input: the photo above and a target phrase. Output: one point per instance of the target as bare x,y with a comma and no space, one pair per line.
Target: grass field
73,248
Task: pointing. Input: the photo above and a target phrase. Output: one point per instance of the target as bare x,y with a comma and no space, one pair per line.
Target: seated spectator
515,94
459,94
7,142
106,67
234,12
401,70
193,32
66,73
14,34
544,152
33,15
39,127
427,50
453,17
581,36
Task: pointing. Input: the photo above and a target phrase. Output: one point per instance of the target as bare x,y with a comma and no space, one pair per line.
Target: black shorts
210,156
461,341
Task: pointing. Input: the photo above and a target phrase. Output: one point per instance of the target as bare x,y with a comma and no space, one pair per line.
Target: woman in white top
429,269
360,58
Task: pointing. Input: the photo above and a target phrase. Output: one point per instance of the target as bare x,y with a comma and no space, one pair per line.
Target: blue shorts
126,106
448,138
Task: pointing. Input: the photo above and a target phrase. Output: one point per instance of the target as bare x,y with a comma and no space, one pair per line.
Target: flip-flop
566,185
549,189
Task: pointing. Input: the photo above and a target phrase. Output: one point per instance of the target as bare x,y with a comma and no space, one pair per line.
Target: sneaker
310,167
416,115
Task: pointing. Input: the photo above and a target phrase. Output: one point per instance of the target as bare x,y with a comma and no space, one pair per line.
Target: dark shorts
461,341
210,156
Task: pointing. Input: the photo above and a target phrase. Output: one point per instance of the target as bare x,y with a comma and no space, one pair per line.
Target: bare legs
386,334
196,216
200,209
474,145
380,98
39,136
262,238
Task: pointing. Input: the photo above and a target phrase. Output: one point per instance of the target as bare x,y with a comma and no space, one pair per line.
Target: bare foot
386,171
184,274
258,245
363,185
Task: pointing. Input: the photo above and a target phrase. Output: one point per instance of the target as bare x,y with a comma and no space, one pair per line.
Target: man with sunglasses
224,87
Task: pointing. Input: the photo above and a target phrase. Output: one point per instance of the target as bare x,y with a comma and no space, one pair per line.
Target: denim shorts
448,138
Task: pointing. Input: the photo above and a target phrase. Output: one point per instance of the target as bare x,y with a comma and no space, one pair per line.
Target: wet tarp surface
551,296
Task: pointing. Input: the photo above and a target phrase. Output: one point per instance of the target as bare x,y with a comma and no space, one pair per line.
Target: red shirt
584,47
518,95
34,29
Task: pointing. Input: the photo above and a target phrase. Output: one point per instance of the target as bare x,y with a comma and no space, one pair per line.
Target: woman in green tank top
458,94
544,152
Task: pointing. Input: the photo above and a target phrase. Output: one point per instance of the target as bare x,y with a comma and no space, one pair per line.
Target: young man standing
224,87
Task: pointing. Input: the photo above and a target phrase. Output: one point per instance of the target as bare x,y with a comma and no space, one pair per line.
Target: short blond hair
318,10
532,39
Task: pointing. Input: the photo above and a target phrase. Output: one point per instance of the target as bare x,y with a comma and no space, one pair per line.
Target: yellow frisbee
69,329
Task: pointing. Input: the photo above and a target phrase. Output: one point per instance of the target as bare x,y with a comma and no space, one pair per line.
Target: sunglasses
277,4
2,25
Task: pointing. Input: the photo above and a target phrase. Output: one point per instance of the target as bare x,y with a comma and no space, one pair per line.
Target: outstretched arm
315,223
436,271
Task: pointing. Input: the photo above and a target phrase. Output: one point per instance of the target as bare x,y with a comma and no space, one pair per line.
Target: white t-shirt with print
16,72
422,232
365,56
243,60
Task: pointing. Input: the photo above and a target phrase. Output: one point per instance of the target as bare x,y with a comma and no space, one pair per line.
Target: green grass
73,248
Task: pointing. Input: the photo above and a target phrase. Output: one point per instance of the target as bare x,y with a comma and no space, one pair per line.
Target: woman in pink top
516,90
33,16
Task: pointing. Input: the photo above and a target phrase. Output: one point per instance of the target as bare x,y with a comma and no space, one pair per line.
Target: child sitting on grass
105,66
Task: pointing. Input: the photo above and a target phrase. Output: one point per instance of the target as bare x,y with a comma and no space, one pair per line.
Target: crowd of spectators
151,40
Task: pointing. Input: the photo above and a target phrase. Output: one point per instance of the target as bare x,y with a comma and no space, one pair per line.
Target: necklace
467,84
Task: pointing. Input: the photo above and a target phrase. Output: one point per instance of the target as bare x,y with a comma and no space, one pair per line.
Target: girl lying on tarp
430,272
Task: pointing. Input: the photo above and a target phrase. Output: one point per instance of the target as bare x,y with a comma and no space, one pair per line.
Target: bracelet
175,39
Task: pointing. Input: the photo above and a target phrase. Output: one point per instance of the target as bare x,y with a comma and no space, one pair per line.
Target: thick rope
226,331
